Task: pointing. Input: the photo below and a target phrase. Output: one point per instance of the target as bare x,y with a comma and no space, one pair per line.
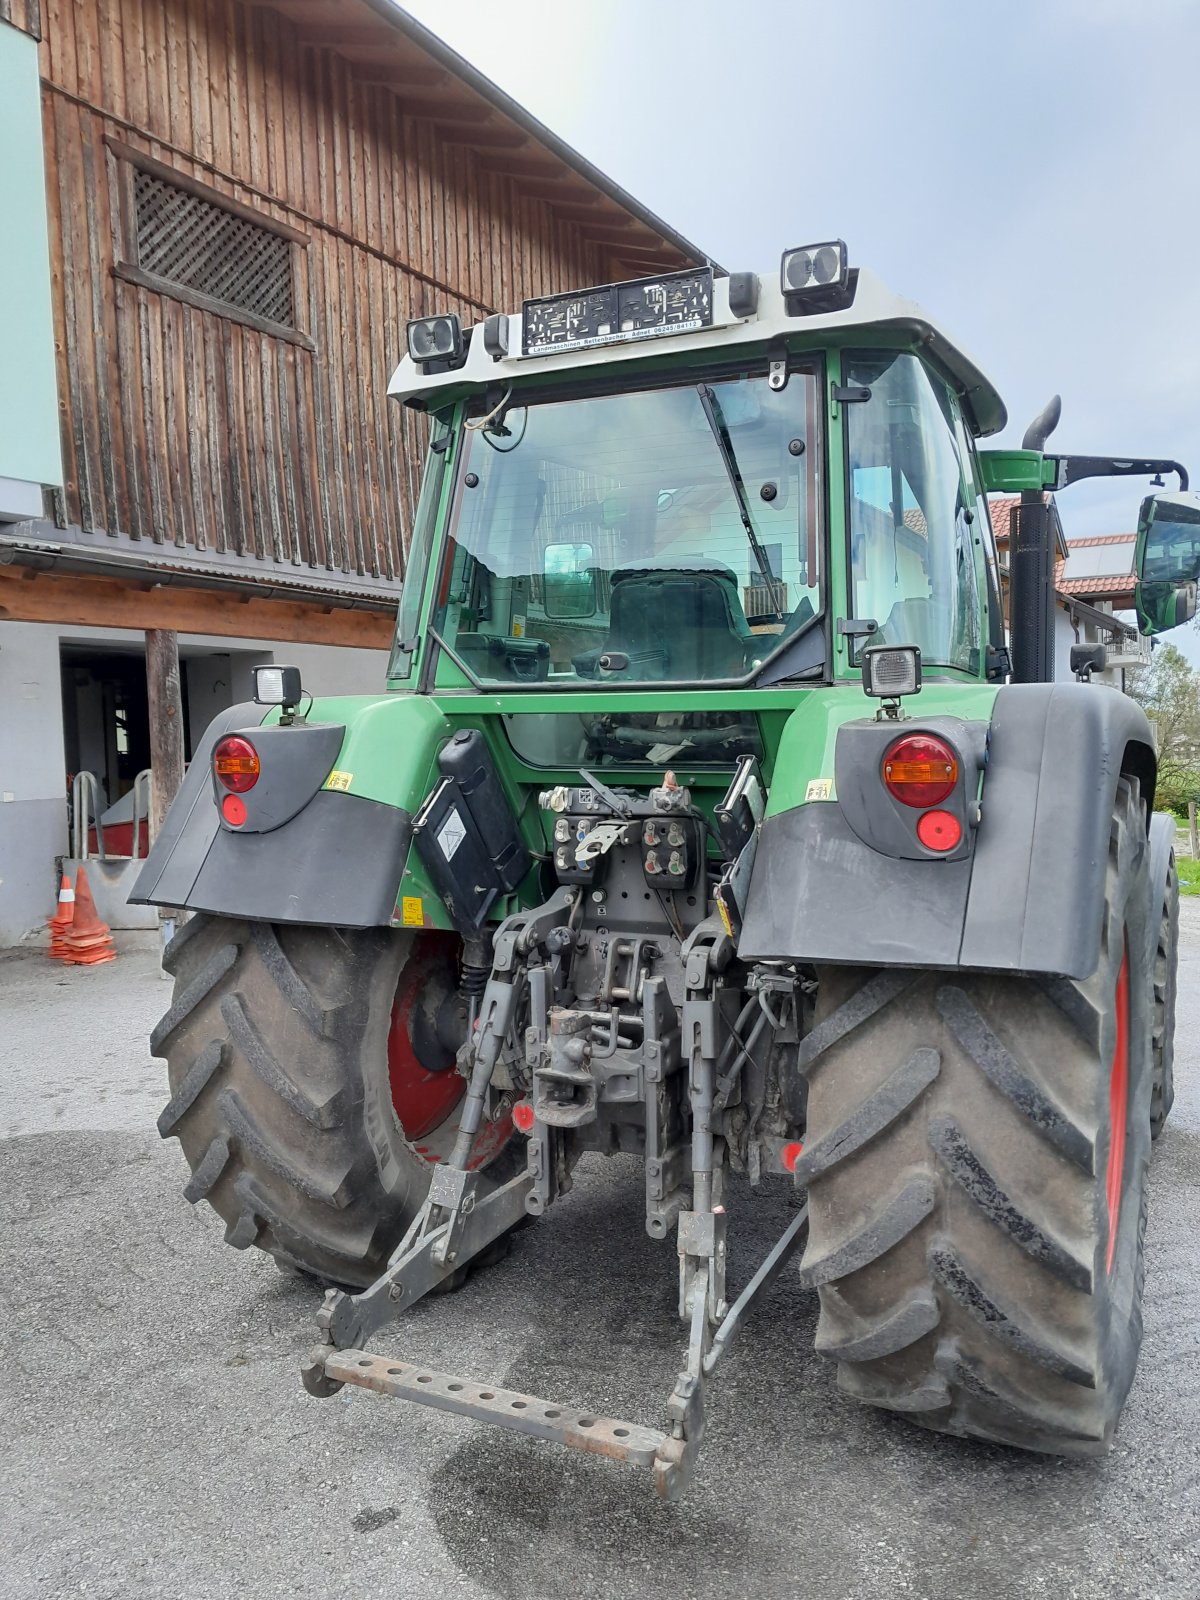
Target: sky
1028,170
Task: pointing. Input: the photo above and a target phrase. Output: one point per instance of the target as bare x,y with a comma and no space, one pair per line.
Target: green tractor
712,813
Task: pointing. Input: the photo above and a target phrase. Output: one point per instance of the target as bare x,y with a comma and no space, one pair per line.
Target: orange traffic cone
88,941
62,918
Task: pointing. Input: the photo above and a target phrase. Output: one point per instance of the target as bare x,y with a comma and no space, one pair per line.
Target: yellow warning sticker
819,789
339,780
412,911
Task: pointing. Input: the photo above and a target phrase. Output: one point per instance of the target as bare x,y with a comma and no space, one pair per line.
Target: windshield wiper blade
720,433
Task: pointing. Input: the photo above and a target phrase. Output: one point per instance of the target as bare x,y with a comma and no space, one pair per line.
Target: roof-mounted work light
815,277
435,339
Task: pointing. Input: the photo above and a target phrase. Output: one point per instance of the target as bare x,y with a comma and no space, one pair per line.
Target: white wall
326,671
33,804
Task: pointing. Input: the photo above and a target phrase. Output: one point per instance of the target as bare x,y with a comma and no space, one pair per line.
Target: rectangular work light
277,686
815,277
891,670
435,339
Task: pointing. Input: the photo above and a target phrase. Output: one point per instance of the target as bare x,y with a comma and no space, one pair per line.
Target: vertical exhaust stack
1031,568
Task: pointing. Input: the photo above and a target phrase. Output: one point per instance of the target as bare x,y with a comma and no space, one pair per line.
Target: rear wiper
720,433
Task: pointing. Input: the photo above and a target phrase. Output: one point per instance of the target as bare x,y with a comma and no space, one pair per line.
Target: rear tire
276,1045
964,1132
1166,971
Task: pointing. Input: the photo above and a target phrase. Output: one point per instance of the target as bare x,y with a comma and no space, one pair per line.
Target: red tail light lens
236,764
920,770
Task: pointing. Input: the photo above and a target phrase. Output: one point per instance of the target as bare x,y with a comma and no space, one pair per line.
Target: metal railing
85,814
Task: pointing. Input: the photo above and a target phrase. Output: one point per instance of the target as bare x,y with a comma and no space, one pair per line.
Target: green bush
1189,875
1175,789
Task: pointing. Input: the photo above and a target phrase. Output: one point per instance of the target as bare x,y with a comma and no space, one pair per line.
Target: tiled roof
1002,509
1106,588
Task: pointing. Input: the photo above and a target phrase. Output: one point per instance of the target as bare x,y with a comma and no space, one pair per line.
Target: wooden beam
484,136
166,722
92,602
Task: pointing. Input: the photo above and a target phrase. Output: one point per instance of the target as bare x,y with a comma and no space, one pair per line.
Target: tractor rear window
912,541
689,740
660,536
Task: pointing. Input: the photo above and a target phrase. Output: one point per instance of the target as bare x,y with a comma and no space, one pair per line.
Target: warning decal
451,834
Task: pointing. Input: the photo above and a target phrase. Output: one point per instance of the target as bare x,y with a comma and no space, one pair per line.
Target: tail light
236,764
920,770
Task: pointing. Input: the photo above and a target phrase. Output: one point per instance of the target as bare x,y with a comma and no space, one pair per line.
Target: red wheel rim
1118,1110
424,1101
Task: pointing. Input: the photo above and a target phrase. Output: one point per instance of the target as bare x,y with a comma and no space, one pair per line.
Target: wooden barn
217,217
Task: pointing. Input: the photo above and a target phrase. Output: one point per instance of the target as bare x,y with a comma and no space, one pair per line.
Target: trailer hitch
463,1214
670,1452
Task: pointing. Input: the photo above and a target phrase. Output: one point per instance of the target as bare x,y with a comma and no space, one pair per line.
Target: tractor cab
733,482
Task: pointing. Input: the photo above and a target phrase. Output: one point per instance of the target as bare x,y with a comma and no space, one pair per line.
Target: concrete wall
33,805
33,809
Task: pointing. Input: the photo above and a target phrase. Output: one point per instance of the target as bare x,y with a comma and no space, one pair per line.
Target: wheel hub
426,1088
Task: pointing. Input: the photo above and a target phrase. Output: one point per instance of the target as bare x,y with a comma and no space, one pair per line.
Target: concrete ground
155,1440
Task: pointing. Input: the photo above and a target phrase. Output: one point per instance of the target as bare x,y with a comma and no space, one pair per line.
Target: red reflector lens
920,770
233,809
791,1154
522,1115
235,762
939,830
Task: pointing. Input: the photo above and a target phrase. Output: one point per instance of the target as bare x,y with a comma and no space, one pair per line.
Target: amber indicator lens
236,764
920,770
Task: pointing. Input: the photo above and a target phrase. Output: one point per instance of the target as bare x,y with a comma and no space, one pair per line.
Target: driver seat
676,623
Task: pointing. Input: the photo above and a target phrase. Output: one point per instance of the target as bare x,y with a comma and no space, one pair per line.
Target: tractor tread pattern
954,1150
1011,1409
210,1167
1166,962
842,1335
185,1097
890,1100
878,992
1002,1321
194,994
180,940
287,980
1011,1078
250,1139
879,1234
320,1113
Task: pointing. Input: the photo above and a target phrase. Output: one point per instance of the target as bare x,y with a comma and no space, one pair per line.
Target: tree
1169,692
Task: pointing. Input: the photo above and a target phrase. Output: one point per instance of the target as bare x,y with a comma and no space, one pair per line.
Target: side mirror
569,583
1167,562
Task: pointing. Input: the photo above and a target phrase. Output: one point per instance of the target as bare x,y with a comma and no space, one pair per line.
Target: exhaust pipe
1031,568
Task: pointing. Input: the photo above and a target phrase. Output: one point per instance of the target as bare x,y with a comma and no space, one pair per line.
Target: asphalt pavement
155,1440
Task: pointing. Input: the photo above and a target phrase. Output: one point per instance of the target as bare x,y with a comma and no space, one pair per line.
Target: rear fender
1029,895
314,848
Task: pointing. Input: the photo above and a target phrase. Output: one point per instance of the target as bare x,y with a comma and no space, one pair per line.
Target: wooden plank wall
184,428
23,14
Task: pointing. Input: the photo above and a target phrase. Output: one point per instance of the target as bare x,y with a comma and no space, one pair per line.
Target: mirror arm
1065,470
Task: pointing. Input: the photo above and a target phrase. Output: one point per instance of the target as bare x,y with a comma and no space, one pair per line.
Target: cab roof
874,306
